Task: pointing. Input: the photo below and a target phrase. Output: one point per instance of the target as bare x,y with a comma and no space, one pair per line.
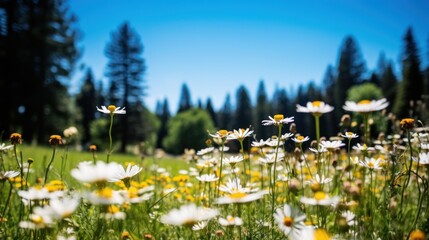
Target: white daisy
349,135
63,207
371,163
423,158
207,178
199,226
111,109
230,221
332,145
277,120
8,175
100,172
363,147
124,174
315,107
300,139
320,198
232,160
366,106
205,151
319,180
240,134
241,197
290,221
4,147
271,158
188,215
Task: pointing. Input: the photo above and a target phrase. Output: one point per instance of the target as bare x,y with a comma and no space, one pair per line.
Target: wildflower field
350,186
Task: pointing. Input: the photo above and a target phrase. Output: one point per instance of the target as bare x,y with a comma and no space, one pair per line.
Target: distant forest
39,50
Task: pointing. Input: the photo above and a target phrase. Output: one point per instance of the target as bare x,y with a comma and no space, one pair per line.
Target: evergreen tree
351,69
389,84
125,71
211,111
38,53
185,101
411,86
225,114
329,120
163,115
87,100
243,112
261,112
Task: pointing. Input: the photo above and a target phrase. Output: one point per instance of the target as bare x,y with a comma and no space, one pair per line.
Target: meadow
350,186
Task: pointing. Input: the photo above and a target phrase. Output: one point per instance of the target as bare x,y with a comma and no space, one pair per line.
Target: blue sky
216,46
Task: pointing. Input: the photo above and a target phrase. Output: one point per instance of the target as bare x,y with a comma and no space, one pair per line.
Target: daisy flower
88,172
113,212
271,158
315,107
230,221
41,217
371,163
290,221
63,207
199,226
188,215
300,139
261,143
4,147
349,135
232,186
207,178
233,160
241,197
205,151
240,134
319,180
332,145
423,159
105,196
8,175
286,136
111,109
125,174
320,198
34,193
363,148
366,106
277,120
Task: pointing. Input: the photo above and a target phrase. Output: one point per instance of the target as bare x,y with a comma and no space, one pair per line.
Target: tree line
39,50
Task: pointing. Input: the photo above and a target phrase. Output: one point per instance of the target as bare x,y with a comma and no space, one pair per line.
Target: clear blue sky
216,46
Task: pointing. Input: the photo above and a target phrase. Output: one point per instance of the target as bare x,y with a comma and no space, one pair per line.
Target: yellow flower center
222,132
278,117
407,123
316,103
321,234
132,192
105,193
319,196
111,108
237,195
55,140
36,219
349,134
113,209
287,221
363,102
300,138
230,219
370,164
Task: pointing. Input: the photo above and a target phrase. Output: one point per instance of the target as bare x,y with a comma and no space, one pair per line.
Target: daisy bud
15,138
313,144
294,185
345,120
297,153
219,233
30,160
55,140
292,128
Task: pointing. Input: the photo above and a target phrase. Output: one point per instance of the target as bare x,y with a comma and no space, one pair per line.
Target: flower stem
49,164
110,137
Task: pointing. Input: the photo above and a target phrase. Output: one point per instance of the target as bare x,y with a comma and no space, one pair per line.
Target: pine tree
125,71
243,115
212,112
163,115
225,114
261,112
185,101
86,100
412,85
329,120
388,84
351,69
38,53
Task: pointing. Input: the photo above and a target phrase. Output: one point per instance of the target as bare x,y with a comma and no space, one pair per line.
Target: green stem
110,137
49,164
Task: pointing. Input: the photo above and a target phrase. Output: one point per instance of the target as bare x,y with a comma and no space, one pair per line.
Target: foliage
188,130
364,91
